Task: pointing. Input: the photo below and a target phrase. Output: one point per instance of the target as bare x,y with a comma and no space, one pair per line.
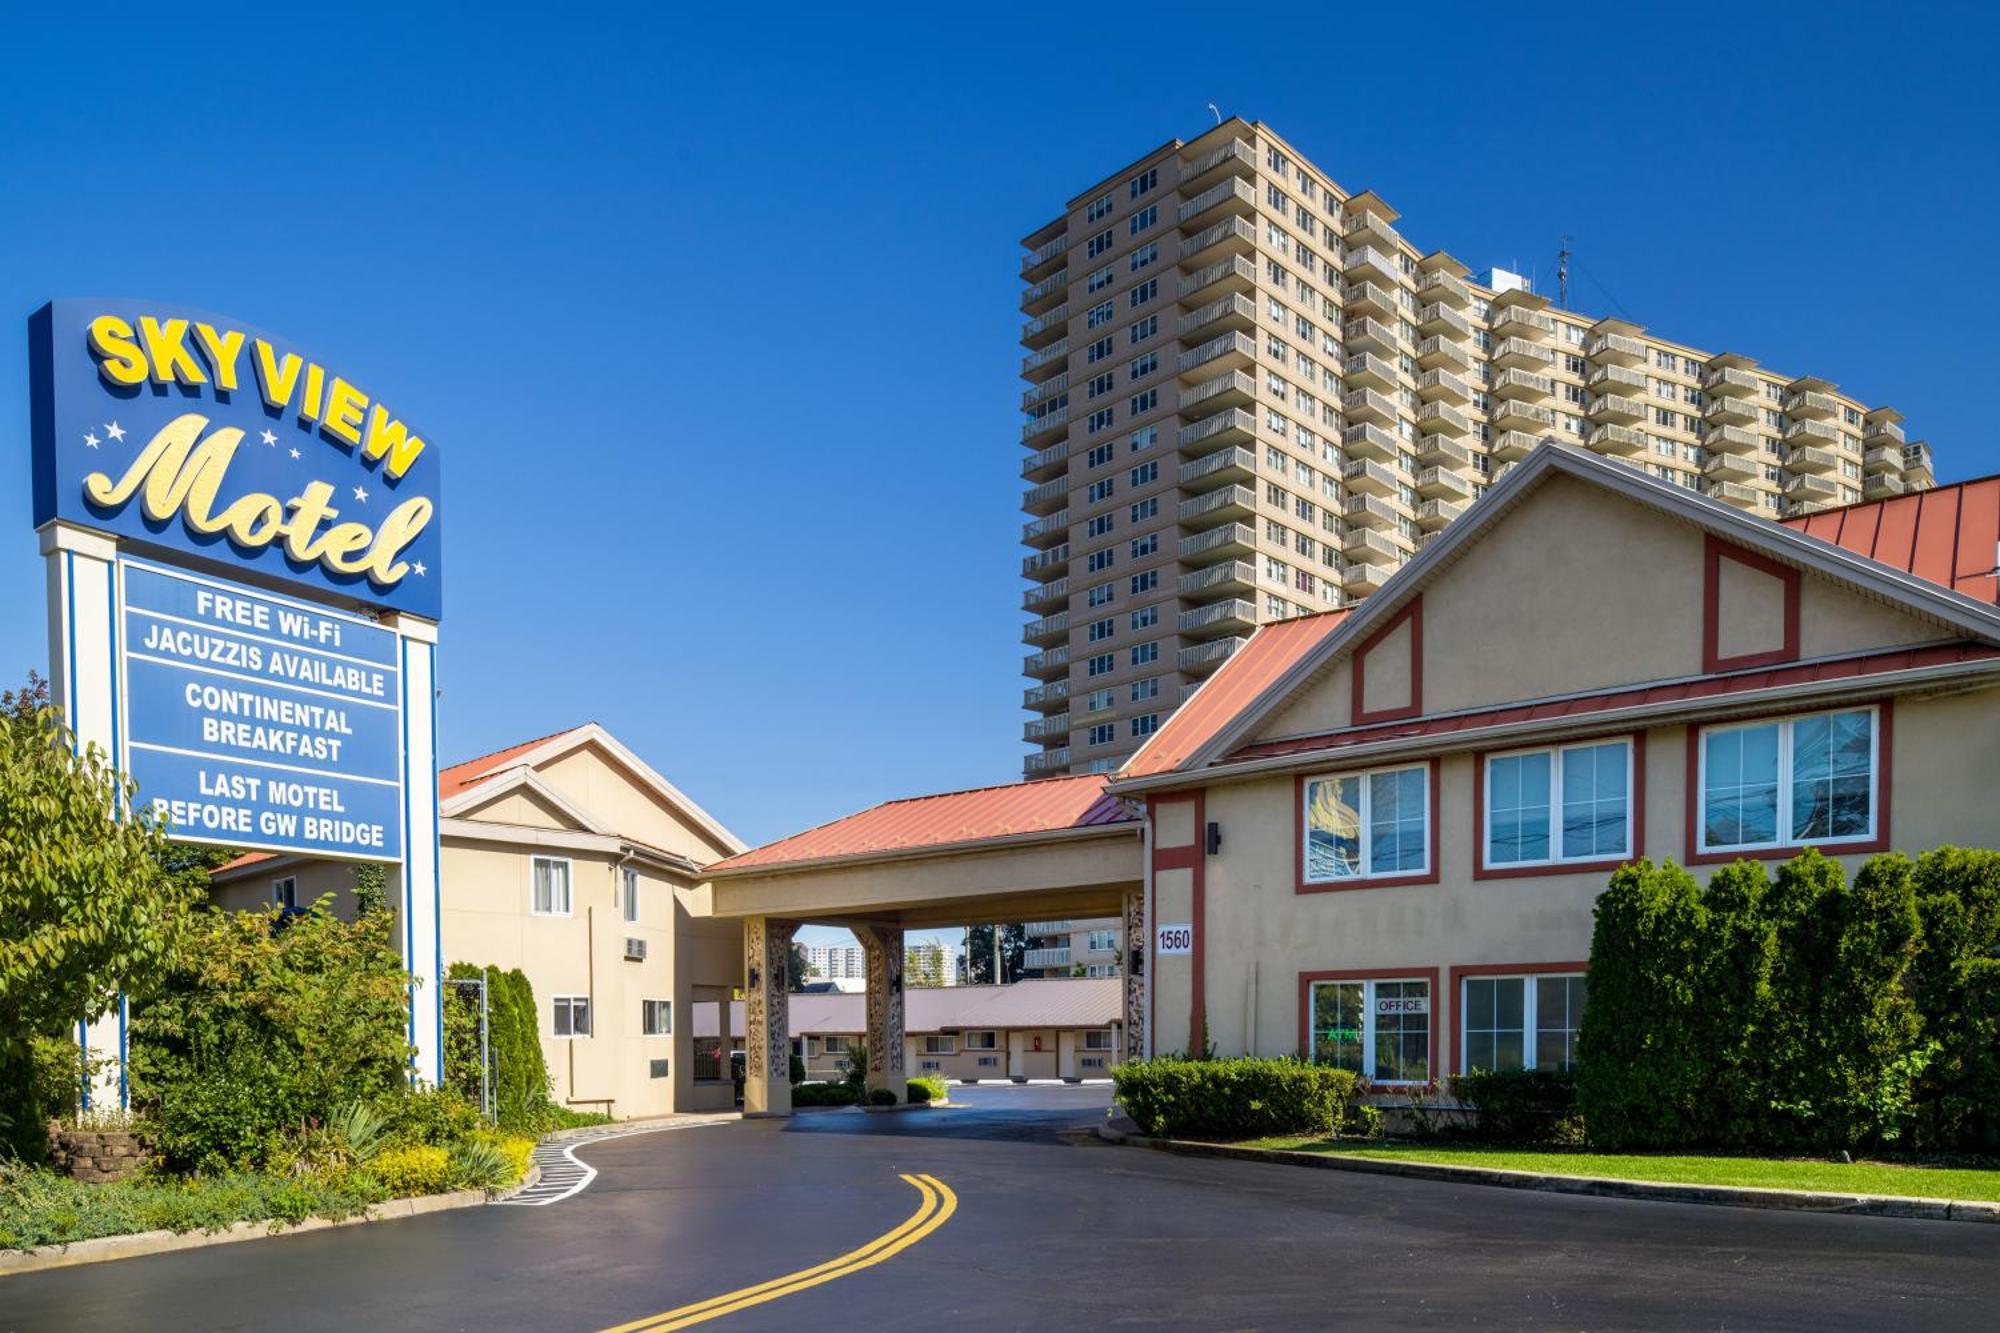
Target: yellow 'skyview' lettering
119,359
221,349
166,348
344,405
180,472
277,376
159,350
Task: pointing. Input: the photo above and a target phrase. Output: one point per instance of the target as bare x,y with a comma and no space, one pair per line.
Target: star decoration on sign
295,453
272,440
361,494
114,431
89,440
419,567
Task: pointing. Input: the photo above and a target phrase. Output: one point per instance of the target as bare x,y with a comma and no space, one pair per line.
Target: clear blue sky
715,319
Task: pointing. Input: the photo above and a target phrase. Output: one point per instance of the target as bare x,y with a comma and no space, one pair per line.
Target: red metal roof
1901,659
949,817
458,777
1949,536
1271,651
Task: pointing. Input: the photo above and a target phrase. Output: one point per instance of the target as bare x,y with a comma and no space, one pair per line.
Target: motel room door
1038,1054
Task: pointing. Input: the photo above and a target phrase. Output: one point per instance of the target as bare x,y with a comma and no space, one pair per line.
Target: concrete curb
104,1248
1727,1196
619,1129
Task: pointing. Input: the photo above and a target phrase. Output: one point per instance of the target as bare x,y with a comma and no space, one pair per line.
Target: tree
799,968
93,888
979,954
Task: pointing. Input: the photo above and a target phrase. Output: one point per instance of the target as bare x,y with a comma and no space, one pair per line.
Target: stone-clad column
884,945
1136,940
767,1037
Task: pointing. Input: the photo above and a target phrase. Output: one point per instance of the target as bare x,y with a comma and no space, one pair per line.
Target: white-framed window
1790,781
942,1043
1097,1039
833,1045
1103,941
628,893
551,889
1520,1022
1381,1030
285,892
982,1041
656,1018
572,1015
1569,803
1368,824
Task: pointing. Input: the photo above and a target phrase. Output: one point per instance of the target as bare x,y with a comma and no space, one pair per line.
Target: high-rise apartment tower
1249,397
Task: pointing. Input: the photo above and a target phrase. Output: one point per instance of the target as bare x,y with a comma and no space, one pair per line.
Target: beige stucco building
1062,948
1375,836
570,858
1250,397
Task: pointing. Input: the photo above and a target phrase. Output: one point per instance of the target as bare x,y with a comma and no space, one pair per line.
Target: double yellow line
939,1203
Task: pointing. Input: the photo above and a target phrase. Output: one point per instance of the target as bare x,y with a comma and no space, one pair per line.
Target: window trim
1430,974
668,1030
590,1017
628,892
1462,972
1635,811
993,1045
1433,768
280,882
569,882
939,1043
1110,1041
1882,774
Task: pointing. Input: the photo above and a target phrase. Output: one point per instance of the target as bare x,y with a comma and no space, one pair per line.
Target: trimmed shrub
1840,1046
825,1094
416,1169
797,1071
1518,1106
1643,1070
1243,1098
1955,982
437,1117
926,1089
882,1097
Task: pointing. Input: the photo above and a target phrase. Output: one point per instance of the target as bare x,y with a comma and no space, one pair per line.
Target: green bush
825,1094
261,1025
1243,1098
797,1070
926,1089
437,1117
883,1097
40,1208
1955,982
1518,1106
417,1168
1785,1014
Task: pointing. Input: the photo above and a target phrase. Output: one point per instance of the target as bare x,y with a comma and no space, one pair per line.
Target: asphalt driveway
1047,1228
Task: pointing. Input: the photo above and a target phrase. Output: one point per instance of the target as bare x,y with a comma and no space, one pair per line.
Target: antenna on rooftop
1562,273
1215,111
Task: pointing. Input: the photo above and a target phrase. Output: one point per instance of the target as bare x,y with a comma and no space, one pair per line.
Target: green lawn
1933,1182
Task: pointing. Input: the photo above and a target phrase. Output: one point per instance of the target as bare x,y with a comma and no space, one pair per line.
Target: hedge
926,1089
1798,1012
1521,1105
1243,1098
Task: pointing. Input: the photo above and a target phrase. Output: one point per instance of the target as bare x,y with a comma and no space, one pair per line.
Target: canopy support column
767,1034
884,945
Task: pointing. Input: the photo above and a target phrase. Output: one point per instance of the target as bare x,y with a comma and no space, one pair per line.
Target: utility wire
1615,302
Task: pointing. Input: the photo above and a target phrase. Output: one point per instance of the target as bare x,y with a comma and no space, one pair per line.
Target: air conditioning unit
635,950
